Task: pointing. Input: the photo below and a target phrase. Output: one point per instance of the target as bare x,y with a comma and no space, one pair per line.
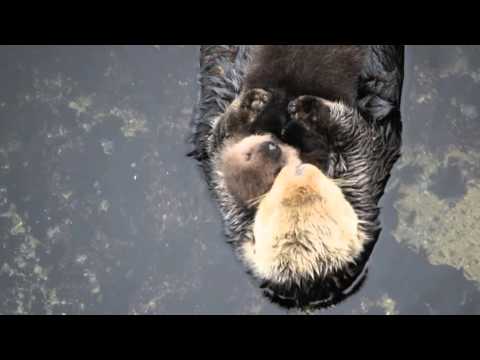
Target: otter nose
270,150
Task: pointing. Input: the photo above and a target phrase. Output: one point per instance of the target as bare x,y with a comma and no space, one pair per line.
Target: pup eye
248,156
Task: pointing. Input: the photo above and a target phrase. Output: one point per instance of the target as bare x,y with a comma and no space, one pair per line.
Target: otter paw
242,113
254,101
313,112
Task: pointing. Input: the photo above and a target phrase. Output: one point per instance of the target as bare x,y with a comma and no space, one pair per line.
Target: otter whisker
255,201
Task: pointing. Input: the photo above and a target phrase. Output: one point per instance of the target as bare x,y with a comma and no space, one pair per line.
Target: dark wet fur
361,149
327,71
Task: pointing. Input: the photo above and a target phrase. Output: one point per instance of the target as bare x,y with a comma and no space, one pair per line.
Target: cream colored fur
304,227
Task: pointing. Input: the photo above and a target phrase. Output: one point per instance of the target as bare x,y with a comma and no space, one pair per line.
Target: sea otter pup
349,130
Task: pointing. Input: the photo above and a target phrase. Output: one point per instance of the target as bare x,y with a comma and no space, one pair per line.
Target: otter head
250,165
304,228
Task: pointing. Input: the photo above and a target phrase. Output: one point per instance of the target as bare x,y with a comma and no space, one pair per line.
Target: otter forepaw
240,116
313,112
254,101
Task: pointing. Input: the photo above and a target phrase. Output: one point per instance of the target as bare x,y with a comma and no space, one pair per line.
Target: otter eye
248,156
